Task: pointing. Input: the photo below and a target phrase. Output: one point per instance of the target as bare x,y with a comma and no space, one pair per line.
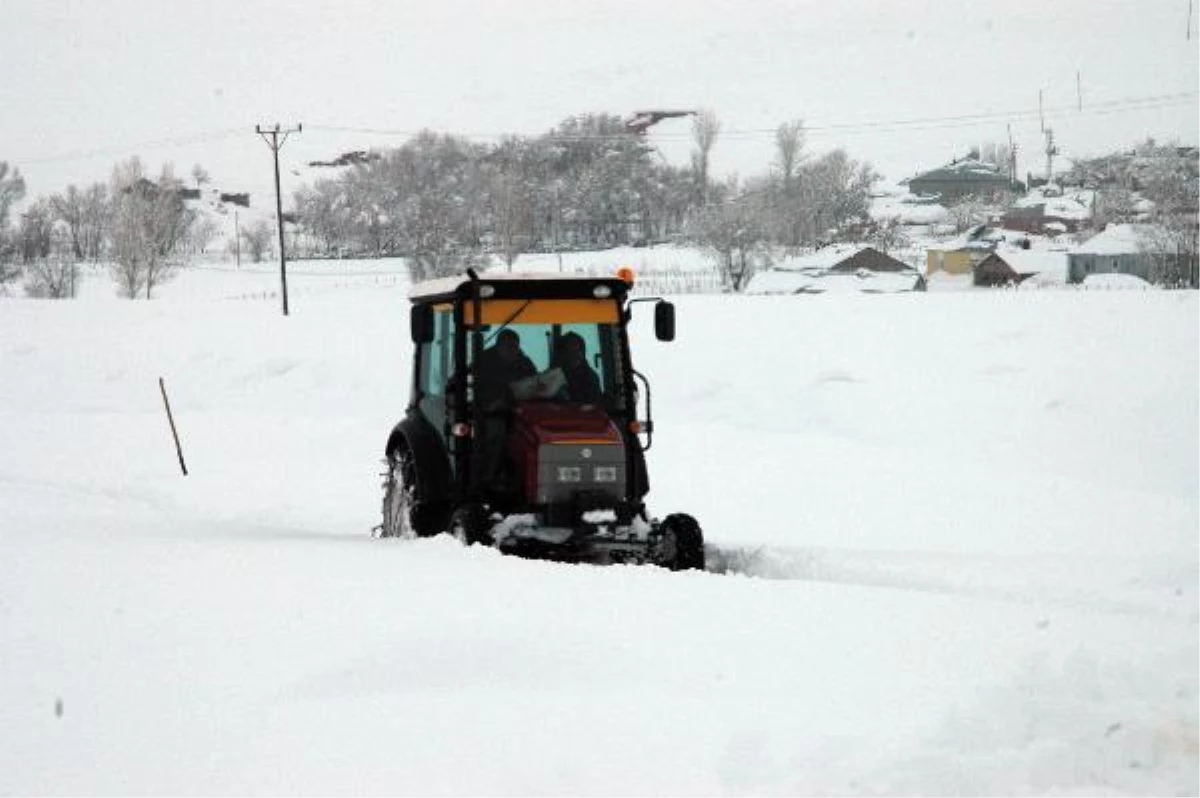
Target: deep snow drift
963,527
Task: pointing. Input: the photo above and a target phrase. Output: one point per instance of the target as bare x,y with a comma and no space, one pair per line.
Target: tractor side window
436,356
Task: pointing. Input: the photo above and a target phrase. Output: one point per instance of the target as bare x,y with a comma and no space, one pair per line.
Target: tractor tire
683,543
405,513
470,524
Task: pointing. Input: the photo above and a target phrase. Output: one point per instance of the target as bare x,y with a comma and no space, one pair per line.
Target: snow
783,281
1076,205
1116,282
1049,266
961,528
1116,239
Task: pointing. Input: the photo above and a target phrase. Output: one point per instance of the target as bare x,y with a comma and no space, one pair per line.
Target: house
839,268
871,259
1119,249
958,179
995,270
1050,210
1013,267
963,254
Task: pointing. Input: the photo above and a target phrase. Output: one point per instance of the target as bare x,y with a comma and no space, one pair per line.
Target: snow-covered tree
733,230
257,239
12,191
705,129
84,214
150,223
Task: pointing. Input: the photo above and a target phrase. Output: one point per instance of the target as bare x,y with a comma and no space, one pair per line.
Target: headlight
570,474
606,474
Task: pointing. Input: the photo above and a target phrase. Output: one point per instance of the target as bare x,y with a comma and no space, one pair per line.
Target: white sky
187,81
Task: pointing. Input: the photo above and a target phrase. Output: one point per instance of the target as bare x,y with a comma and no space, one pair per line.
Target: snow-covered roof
864,281
908,209
967,169
979,237
823,258
1076,205
1052,263
1116,239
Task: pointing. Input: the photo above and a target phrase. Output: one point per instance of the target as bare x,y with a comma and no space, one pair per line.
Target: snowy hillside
962,530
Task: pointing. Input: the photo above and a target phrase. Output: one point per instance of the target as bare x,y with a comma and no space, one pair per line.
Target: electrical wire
1128,104
1123,105
128,149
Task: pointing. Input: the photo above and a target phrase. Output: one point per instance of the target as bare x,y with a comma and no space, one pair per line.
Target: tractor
549,464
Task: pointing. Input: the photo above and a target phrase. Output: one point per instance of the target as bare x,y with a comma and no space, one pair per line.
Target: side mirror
664,321
421,323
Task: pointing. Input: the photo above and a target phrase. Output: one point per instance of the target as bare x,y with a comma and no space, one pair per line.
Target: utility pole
1012,157
1051,151
271,136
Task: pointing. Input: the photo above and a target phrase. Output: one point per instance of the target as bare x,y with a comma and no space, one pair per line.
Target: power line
1145,103
117,151
1128,104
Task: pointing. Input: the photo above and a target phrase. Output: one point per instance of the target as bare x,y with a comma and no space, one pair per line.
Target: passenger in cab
583,385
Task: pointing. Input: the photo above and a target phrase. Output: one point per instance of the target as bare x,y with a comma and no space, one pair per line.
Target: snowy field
962,525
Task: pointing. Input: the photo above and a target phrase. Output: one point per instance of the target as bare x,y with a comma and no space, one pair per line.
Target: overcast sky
903,85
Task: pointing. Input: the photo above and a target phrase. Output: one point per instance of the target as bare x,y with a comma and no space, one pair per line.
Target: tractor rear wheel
405,512
682,543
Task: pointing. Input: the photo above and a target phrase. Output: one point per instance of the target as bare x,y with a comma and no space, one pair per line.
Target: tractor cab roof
517,285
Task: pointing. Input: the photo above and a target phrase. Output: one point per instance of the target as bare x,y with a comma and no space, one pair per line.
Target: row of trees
443,200
140,227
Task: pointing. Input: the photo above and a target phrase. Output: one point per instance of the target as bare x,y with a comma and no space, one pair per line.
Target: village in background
595,193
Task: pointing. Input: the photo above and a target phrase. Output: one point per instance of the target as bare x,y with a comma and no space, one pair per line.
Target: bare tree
35,235
51,267
55,276
10,270
514,219
257,238
888,236
789,140
834,194
705,129
149,225
97,213
1113,204
733,231
12,191
968,212
204,231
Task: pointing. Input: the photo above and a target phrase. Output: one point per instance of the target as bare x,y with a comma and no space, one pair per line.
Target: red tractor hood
551,422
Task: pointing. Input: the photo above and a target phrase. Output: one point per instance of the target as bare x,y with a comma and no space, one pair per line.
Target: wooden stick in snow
175,434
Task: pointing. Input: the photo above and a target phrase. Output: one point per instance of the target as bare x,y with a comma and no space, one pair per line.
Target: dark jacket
582,384
493,374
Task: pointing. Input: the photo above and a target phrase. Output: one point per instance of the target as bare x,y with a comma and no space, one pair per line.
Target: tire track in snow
1150,588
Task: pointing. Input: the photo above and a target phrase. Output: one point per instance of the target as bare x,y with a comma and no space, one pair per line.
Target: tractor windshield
563,350
569,362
